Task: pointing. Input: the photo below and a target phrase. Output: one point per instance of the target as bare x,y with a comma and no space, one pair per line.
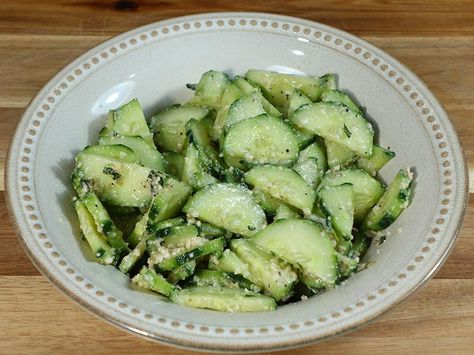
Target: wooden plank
361,17
40,57
46,322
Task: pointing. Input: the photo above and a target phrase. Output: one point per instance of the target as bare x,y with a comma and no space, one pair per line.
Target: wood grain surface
435,39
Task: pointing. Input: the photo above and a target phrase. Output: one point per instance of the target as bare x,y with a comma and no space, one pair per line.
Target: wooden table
435,39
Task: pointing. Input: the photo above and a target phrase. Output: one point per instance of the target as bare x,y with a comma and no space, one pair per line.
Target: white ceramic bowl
153,63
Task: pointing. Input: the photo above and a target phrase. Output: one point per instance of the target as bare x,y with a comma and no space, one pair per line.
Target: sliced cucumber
169,126
296,100
223,299
347,265
337,203
230,94
269,203
104,223
335,122
149,279
219,278
131,259
197,133
360,245
271,273
228,261
380,156
338,156
282,183
248,88
115,151
309,249
246,107
210,88
103,252
312,163
229,206
193,173
391,204
129,120
215,246
116,182
285,212
169,201
328,81
340,97
260,140
179,236
210,231
309,171
145,152
182,272
367,190
278,87
174,164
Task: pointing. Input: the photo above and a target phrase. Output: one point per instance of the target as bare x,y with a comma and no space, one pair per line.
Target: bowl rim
216,346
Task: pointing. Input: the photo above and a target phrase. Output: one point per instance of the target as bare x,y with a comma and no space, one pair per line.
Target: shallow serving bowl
153,63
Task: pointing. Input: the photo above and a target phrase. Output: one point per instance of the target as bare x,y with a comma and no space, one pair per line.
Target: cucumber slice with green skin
309,170
230,94
223,299
169,126
115,151
215,246
367,190
116,182
309,249
260,140
340,97
149,279
179,236
282,183
210,231
169,201
165,205
285,212
302,137
132,258
335,122
269,203
210,88
296,100
229,206
103,252
104,223
391,204
337,203
245,107
315,153
360,245
174,164
271,273
197,133
347,265
145,152
193,173
248,88
328,81
129,120
338,156
219,278
277,87
380,156
182,272
228,261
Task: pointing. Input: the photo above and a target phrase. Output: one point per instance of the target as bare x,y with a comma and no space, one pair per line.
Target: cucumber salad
259,191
